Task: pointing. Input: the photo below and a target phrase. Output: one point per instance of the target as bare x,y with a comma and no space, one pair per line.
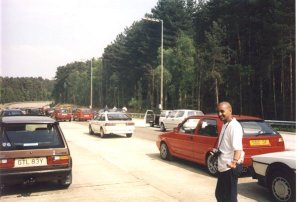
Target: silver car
177,116
277,172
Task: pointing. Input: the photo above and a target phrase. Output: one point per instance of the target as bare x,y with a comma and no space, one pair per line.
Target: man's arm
237,155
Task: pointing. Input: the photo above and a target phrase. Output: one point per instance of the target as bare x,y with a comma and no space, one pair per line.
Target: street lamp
91,86
161,60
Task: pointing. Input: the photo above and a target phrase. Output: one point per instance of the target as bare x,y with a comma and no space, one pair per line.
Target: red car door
182,142
205,139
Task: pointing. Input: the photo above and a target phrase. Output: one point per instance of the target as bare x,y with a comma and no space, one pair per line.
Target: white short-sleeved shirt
232,134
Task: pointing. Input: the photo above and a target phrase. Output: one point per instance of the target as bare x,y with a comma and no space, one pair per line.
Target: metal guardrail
137,115
282,123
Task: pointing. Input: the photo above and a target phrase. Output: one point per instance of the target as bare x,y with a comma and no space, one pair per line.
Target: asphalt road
129,169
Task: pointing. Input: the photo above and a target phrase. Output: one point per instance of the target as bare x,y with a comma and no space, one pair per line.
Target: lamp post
161,60
91,85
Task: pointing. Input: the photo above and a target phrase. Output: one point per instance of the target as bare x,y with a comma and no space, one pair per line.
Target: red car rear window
256,128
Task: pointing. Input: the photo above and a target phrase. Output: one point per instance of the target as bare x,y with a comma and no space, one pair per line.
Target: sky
37,36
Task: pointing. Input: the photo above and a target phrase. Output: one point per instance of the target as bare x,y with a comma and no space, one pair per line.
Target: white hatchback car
277,172
177,116
112,123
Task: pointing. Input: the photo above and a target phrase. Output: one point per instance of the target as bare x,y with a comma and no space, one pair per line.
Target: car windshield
118,117
255,128
30,136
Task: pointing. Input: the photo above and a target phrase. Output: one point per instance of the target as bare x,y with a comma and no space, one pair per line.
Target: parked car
277,172
163,115
112,123
151,118
62,115
196,136
49,111
11,112
82,114
34,111
33,149
177,116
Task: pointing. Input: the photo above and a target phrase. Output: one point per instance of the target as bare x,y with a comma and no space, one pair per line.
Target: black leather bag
215,155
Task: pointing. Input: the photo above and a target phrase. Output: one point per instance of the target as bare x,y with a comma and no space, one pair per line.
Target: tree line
241,51
25,89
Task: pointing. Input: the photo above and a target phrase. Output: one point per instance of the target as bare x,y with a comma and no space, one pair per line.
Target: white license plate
29,162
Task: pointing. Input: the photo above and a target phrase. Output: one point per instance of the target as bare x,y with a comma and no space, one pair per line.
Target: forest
241,51
23,89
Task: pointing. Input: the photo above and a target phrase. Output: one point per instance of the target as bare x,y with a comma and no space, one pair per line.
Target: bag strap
223,135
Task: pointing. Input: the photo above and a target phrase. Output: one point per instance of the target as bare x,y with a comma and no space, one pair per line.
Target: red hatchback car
62,115
82,114
195,137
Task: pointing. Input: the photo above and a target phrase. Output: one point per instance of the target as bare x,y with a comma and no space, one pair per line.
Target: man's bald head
224,111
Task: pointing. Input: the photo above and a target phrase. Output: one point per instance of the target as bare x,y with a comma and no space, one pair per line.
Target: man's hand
233,164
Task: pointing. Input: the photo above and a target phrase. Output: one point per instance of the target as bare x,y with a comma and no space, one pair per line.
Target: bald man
232,155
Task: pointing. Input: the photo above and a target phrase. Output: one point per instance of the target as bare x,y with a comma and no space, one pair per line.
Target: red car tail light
58,160
130,123
6,163
280,141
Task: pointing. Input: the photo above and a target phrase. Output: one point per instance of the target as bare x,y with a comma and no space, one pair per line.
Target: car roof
5,110
109,112
238,117
26,119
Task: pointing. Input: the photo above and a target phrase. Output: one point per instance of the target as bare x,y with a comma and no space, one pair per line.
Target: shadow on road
252,190
181,163
27,190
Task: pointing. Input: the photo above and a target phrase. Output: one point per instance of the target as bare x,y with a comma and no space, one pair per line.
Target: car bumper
10,178
119,131
261,178
259,168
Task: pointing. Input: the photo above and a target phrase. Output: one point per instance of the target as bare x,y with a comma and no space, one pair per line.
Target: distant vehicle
196,136
62,115
11,112
277,172
163,114
34,111
108,123
33,149
177,116
49,111
82,114
151,118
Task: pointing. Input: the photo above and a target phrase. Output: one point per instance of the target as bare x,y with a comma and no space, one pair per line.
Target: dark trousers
226,187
